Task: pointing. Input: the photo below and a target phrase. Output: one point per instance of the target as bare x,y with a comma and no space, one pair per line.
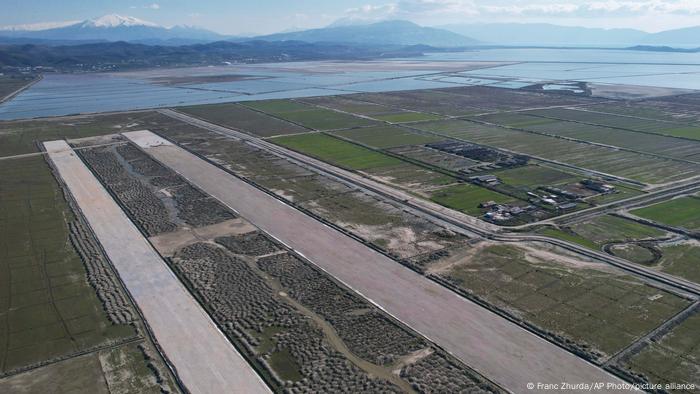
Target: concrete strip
202,356
497,348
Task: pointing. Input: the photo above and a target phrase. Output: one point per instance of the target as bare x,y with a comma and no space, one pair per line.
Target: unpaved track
497,348
204,359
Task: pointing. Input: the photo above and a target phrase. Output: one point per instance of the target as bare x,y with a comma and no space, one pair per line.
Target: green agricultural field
585,126
433,101
48,310
21,137
466,198
387,136
631,165
645,109
323,119
337,152
634,253
604,229
599,311
535,175
621,193
434,158
47,307
568,236
673,359
276,106
308,115
682,260
242,118
597,232
679,212
691,132
412,178
354,157
404,117
347,104
666,127
515,119
468,100
121,369
376,111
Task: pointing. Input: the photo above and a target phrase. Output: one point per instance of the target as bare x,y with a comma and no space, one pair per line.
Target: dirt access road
495,347
204,359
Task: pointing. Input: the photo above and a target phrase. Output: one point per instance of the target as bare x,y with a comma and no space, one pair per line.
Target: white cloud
642,7
38,26
570,8
372,10
414,9
152,6
541,9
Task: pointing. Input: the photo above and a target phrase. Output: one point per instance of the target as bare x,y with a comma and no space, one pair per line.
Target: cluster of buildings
555,197
480,153
543,197
503,212
25,70
598,186
565,200
486,180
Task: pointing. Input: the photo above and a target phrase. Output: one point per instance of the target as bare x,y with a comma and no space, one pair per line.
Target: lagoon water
62,94
662,69
59,94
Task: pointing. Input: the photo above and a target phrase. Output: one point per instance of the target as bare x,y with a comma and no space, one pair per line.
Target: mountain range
130,29
394,32
689,36
117,28
542,34
111,28
546,34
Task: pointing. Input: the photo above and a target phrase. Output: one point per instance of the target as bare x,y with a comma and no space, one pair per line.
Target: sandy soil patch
533,252
168,244
412,359
457,256
538,253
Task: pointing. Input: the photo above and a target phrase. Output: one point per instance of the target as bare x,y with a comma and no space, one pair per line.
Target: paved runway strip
204,359
497,348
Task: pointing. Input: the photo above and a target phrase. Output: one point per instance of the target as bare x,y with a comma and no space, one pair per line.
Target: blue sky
266,16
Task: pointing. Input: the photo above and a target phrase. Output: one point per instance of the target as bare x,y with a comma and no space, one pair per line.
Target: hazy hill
689,36
547,34
380,33
124,55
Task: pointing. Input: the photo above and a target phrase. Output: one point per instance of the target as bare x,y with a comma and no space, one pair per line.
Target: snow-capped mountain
114,28
114,20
